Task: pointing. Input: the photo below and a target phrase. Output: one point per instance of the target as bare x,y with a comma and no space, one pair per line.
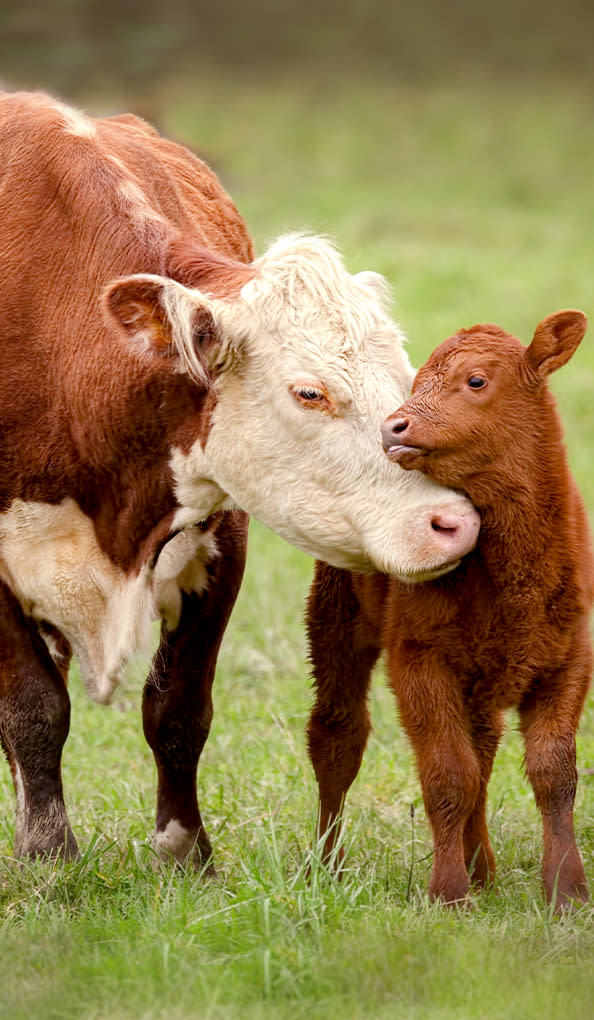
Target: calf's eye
476,382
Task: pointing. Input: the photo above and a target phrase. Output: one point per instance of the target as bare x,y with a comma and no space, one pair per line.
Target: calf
509,628
154,378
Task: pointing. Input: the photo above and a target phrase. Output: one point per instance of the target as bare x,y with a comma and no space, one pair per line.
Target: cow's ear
376,283
165,320
555,339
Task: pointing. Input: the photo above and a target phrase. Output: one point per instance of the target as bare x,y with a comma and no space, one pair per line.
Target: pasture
477,205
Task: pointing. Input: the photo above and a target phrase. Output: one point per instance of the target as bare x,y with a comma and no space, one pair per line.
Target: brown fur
509,628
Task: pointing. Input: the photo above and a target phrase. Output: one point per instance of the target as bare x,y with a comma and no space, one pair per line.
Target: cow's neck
131,496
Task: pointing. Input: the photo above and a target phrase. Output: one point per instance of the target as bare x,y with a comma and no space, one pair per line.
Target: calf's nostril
392,430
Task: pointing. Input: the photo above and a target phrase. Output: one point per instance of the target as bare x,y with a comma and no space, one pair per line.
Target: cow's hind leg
34,723
177,702
343,652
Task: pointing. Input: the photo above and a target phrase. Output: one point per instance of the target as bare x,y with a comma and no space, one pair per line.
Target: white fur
76,122
135,198
322,481
50,558
174,841
181,567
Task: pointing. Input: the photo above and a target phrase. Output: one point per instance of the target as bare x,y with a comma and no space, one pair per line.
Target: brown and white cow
154,378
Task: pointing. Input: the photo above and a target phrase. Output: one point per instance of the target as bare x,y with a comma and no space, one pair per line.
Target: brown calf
509,628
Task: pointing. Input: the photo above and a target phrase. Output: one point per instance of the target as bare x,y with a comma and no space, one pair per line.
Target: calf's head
480,401
303,361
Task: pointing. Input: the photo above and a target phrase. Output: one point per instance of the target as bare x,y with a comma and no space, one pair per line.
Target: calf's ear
555,340
164,320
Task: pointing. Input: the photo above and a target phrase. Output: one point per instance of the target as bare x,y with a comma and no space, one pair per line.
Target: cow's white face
308,367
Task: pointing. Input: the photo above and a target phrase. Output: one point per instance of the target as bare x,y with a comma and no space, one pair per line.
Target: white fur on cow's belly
51,560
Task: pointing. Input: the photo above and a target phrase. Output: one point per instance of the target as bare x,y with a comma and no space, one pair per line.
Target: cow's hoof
185,848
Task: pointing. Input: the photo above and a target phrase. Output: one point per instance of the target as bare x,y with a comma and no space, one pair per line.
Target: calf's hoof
566,885
451,891
570,898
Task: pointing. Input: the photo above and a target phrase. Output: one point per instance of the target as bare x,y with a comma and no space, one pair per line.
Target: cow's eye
476,382
314,397
308,393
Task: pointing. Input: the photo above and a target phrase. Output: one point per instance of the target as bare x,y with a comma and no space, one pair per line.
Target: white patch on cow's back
50,559
135,198
181,567
76,122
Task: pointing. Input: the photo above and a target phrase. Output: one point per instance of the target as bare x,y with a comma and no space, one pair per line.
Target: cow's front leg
343,653
433,714
34,723
549,718
177,701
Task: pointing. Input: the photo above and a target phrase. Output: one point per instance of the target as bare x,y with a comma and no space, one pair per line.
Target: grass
477,206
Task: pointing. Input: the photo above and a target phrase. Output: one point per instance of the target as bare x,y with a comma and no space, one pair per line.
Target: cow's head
306,364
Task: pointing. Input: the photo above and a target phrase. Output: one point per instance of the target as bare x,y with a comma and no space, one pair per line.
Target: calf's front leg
486,727
432,713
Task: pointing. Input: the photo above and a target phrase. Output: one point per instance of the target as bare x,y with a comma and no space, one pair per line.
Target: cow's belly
51,560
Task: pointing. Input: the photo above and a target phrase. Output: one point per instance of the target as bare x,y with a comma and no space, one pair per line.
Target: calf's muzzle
456,533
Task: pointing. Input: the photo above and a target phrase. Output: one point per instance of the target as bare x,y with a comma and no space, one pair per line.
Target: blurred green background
132,46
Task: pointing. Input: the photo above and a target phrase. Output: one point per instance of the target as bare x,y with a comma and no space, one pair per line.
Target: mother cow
153,378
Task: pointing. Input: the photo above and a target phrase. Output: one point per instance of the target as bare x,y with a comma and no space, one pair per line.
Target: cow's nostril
399,426
456,532
445,524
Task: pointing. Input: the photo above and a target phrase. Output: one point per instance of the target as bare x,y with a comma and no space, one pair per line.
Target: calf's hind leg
343,652
177,701
34,723
549,720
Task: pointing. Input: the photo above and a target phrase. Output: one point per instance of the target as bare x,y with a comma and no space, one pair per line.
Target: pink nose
457,533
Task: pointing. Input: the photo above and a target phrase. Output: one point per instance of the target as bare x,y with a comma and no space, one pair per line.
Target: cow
158,383
510,628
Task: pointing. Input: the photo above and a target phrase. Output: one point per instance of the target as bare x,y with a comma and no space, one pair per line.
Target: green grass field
478,206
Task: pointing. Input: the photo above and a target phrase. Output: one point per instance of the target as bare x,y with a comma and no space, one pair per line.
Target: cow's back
82,202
